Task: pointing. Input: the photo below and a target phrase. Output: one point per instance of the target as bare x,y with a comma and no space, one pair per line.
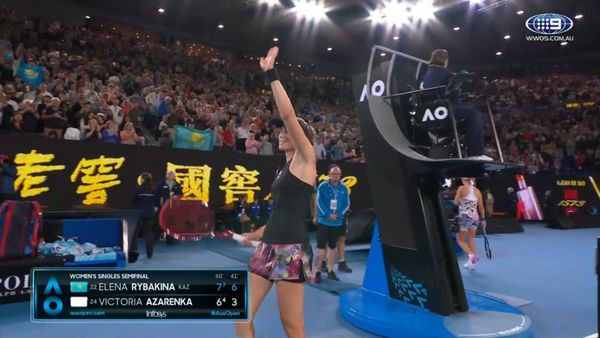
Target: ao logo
52,286
439,113
377,89
549,24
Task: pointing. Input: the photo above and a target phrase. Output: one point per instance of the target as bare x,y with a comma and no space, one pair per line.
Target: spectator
337,151
128,135
6,113
266,147
136,114
320,150
93,132
242,133
217,131
252,144
55,120
17,123
8,174
30,117
229,136
111,133
164,107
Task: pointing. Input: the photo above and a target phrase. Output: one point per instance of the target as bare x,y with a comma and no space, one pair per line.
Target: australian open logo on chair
435,114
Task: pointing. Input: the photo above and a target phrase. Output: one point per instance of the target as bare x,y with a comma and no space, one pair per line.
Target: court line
503,332
595,188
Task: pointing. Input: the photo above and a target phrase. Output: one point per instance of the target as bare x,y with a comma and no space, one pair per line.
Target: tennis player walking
471,214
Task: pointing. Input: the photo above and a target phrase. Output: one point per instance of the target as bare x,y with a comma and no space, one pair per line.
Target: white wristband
239,238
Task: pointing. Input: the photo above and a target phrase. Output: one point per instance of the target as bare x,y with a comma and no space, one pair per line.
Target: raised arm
301,143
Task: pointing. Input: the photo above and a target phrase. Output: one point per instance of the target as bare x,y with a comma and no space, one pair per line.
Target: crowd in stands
103,85
550,123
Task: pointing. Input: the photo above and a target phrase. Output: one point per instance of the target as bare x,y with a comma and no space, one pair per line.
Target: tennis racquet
486,242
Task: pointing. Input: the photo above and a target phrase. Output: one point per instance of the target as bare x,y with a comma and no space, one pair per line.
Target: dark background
63,196
250,27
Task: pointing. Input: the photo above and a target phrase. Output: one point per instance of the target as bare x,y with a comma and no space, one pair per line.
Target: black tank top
291,207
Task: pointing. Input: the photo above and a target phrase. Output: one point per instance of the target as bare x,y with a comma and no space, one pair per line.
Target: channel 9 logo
53,305
549,24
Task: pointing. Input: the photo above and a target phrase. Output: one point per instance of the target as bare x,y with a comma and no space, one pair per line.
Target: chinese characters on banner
239,181
94,176
29,169
194,180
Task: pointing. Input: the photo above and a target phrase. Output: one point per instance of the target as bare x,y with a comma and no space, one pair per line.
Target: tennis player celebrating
470,215
284,256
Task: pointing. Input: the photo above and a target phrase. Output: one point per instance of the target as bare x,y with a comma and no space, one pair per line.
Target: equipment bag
19,228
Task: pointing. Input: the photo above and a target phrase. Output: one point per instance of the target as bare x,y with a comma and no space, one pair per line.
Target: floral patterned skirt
465,222
288,262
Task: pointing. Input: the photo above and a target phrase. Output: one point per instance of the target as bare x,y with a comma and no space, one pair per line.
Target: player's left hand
268,62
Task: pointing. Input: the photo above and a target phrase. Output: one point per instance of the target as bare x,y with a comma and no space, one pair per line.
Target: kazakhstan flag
33,75
79,287
190,138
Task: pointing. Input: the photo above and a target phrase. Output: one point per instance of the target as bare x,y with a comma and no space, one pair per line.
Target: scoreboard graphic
109,294
577,195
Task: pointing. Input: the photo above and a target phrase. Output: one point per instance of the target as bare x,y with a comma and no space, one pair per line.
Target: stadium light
269,2
310,9
88,17
498,53
329,49
423,10
377,16
396,37
520,12
506,37
395,13
564,43
275,39
161,10
220,26
578,16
